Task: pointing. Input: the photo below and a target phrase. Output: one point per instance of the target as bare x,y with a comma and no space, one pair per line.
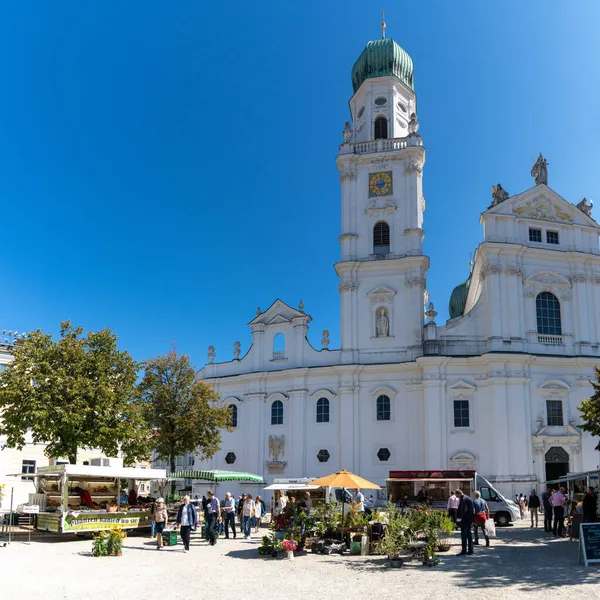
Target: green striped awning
216,476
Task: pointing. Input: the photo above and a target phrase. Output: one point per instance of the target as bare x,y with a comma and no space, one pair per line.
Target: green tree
590,410
74,392
182,411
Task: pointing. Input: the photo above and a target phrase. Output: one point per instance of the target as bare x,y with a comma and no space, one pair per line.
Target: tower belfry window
381,238
381,128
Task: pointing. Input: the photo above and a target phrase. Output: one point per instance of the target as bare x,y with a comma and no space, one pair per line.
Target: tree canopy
75,392
182,411
590,410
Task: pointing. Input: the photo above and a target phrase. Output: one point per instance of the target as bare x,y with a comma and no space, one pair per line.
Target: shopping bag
490,527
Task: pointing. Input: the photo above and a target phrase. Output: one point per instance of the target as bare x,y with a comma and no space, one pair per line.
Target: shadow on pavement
529,559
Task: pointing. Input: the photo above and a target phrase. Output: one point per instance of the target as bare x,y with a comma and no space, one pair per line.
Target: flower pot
290,555
274,554
396,562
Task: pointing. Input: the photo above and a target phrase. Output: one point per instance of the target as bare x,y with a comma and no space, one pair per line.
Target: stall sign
589,543
48,522
98,522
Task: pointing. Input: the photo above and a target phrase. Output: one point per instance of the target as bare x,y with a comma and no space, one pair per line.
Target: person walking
159,520
248,511
559,503
258,513
534,506
214,515
521,503
240,508
186,521
590,506
464,517
452,506
229,510
482,514
547,508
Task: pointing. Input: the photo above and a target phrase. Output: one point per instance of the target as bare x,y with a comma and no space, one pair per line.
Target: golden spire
383,25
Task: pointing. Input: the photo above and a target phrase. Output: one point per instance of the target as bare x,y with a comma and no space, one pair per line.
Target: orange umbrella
345,479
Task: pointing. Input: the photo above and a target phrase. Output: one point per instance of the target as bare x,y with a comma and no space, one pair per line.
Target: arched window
547,309
277,413
381,128
384,409
322,410
234,415
278,346
381,238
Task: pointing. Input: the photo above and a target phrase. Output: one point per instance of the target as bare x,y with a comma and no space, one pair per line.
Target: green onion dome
458,299
380,58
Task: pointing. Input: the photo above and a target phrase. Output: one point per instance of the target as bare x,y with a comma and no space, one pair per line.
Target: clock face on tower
380,184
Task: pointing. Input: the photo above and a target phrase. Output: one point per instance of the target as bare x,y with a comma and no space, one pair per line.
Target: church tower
382,269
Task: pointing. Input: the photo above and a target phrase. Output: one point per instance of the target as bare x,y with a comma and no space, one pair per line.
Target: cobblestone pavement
521,562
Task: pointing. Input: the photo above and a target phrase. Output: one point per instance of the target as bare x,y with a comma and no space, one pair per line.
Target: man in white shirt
359,498
453,503
229,510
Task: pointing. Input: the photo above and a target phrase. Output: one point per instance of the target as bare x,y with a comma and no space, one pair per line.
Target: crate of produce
169,538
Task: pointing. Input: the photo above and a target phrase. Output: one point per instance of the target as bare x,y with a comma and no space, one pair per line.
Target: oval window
360,112
380,101
402,107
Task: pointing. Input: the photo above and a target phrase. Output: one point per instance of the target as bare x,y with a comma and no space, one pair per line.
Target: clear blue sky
168,167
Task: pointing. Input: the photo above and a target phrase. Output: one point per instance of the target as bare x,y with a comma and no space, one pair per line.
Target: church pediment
461,386
541,207
279,313
548,278
277,320
543,204
382,293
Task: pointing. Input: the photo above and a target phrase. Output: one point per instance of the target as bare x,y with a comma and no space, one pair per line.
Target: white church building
496,388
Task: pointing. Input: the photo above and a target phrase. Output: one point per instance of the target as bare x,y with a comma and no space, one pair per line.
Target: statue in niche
382,323
499,194
539,171
585,206
276,446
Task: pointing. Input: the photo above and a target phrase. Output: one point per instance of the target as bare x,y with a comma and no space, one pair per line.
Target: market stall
83,498
196,483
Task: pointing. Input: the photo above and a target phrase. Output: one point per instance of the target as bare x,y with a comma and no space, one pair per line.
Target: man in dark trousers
590,506
186,521
464,517
547,509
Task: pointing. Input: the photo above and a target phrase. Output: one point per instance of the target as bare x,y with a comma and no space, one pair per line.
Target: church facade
496,388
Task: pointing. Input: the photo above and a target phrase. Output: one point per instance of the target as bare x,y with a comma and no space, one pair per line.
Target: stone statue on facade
413,124
499,194
585,206
539,171
325,339
236,350
382,324
347,133
276,447
211,354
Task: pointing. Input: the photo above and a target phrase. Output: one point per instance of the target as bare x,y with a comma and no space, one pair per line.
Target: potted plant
99,544
115,538
289,546
396,538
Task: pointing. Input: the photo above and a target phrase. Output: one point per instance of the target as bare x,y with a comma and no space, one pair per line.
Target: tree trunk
172,459
72,457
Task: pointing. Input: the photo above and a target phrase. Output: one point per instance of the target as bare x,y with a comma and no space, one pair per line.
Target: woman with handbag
482,514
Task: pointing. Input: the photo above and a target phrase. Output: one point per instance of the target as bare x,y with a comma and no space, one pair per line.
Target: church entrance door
557,463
